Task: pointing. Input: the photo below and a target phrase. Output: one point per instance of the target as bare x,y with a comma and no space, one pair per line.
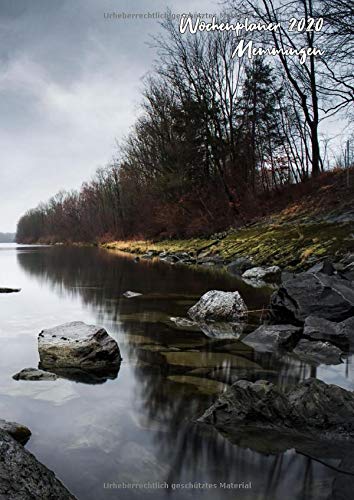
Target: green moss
291,246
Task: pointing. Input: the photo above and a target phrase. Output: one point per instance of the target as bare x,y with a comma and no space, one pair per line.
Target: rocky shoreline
290,240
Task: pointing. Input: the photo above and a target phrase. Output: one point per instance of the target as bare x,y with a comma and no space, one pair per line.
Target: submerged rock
219,306
318,352
34,374
202,384
9,290
271,337
308,294
129,295
207,359
22,477
19,432
77,345
262,273
312,408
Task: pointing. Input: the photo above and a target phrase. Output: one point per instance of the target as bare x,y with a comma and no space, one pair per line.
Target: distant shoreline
7,237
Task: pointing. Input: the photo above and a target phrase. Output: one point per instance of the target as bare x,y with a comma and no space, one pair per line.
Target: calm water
138,427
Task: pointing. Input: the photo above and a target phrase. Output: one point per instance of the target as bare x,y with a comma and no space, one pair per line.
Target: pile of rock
313,312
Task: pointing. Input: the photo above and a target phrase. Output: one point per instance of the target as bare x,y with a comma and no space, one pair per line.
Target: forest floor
298,227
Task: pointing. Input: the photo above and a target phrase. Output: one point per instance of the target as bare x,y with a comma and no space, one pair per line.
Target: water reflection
141,426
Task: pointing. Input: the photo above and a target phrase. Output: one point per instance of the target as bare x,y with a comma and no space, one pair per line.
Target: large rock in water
272,337
22,477
312,408
77,345
219,306
308,294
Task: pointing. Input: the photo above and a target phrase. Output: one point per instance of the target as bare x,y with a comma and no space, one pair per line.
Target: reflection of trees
88,268
194,452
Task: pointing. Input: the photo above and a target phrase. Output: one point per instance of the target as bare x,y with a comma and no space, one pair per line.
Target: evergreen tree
259,118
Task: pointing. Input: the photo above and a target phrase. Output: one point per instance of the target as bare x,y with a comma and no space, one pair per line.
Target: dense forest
217,134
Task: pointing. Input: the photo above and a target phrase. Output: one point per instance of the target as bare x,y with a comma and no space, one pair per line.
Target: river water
126,437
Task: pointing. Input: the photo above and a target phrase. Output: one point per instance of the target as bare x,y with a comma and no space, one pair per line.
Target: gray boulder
311,408
322,329
262,273
34,374
22,477
318,352
272,337
77,345
308,294
19,432
219,306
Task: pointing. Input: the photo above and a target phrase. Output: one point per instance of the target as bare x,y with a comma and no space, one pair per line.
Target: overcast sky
70,84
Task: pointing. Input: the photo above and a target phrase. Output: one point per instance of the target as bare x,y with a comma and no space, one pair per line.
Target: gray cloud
69,86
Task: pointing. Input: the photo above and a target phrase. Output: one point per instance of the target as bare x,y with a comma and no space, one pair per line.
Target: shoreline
292,247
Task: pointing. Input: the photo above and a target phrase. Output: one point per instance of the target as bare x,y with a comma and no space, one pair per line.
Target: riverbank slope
314,225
